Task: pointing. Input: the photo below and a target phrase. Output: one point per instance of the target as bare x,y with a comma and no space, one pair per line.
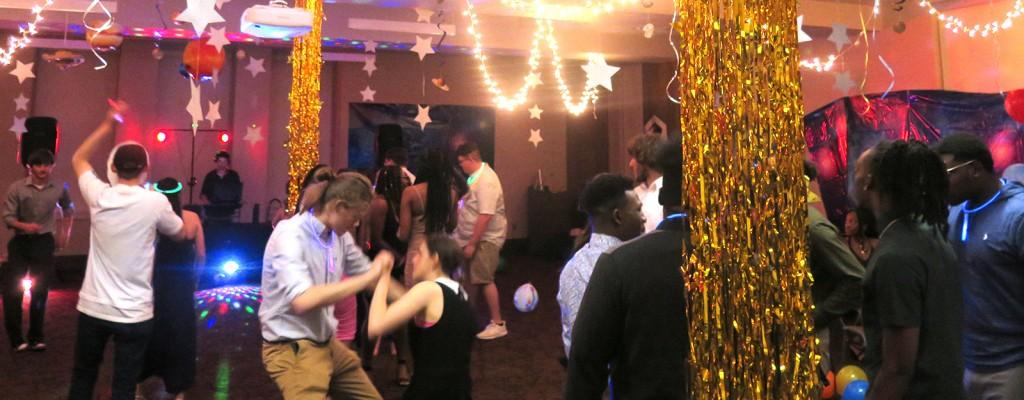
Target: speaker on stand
388,137
41,133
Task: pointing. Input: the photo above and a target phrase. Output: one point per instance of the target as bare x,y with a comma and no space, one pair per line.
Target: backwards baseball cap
130,159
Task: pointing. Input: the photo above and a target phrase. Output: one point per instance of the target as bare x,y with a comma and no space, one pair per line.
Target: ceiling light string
15,43
589,95
531,80
957,25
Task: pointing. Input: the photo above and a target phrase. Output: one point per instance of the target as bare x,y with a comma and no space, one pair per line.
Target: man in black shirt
222,188
912,296
633,314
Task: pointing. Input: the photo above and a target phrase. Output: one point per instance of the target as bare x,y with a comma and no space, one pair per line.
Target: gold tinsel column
304,123
747,283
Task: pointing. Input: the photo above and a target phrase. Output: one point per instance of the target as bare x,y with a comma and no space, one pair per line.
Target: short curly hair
644,148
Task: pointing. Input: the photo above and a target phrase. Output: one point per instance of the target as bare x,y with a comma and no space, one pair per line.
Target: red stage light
225,137
161,136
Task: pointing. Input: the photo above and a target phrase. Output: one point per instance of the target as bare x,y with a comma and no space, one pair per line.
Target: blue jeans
130,342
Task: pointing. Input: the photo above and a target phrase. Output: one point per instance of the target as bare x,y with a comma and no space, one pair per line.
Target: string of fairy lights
956,25
24,36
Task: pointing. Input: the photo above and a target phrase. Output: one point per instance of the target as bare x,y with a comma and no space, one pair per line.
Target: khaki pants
304,370
1002,385
484,263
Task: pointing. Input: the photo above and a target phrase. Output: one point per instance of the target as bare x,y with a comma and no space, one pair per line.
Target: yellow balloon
849,374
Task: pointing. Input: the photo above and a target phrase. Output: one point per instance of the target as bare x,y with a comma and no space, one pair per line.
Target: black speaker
388,136
42,133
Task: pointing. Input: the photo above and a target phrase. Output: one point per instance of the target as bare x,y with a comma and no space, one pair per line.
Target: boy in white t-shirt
116,299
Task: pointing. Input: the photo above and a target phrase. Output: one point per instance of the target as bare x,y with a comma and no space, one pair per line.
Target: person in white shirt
116,299
643,152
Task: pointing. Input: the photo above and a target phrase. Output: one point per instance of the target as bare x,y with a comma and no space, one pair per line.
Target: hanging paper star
839,36
535,137
535,112
21,103
533,79
255,66
221,3
22,71
423,116
200,13
18,127
368,94
195,107
801,35
599,73
218,39
844,83
370,65
423,14
215,77
213,113
370,46
422,47
253,134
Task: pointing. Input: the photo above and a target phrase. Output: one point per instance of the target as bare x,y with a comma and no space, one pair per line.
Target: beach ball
847,375
856,390
526,298
201,59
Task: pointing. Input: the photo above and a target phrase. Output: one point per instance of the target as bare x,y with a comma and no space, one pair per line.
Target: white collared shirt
652,208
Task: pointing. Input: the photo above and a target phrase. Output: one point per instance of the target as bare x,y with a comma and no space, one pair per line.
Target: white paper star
535,112
213,112
599,73
843,83
370,65
839,36
22,71
535,137
18,127
423,116
423,14
422,47
368,93
370,46
20,103
801,35
221,3
195,106
200,13
533,79
215,77
218,39
253,134
255,66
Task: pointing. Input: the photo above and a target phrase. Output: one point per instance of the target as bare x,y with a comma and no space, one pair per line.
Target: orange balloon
829,391
200,59
107,40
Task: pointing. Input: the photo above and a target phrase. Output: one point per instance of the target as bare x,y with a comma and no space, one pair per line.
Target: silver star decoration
23,71
195,106
844,83
423,14
839,36
20,103
200,13
535,112
370,46
423,116
213,113
422,47
18,127
255,66
599,73
221,3
368,94
535,137
370,65
218,39
253,134
801,35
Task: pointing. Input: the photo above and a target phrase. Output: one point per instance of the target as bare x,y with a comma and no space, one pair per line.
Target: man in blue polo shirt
986,229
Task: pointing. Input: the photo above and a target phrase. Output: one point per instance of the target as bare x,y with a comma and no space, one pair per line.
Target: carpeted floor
522,365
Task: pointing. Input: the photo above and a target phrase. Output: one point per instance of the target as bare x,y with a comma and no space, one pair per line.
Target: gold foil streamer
304,123
747,283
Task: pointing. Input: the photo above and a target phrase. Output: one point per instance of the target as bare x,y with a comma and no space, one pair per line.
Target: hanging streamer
892,76
867,59
672,44
97,29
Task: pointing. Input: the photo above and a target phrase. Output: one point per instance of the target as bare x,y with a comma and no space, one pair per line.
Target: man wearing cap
222,188
116,299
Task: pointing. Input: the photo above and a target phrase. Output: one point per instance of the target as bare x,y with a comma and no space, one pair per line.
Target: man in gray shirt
30,211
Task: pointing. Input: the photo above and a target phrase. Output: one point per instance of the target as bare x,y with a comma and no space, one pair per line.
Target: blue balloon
856,390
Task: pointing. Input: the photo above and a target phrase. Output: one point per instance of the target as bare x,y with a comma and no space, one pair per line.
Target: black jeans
130,342
32,254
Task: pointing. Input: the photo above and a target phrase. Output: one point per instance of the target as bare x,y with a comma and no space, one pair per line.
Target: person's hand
117,110
31,228
386,260
468,251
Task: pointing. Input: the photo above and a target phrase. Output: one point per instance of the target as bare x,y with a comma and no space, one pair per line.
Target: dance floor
522,365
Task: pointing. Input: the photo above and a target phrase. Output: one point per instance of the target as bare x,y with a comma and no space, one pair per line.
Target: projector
276,21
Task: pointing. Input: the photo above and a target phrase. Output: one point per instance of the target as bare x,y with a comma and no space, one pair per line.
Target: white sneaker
493,331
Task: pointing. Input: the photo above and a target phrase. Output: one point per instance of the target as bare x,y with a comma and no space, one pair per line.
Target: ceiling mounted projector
276,21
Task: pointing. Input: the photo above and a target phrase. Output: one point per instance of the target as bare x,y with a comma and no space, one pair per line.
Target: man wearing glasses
986,230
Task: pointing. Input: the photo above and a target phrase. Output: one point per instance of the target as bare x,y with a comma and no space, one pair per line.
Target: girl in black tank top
442,326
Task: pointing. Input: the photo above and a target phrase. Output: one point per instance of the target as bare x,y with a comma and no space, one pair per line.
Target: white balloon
526,298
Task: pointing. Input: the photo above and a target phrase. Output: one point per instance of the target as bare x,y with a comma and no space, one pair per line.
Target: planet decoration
200,60
64,59
526,298
106,40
